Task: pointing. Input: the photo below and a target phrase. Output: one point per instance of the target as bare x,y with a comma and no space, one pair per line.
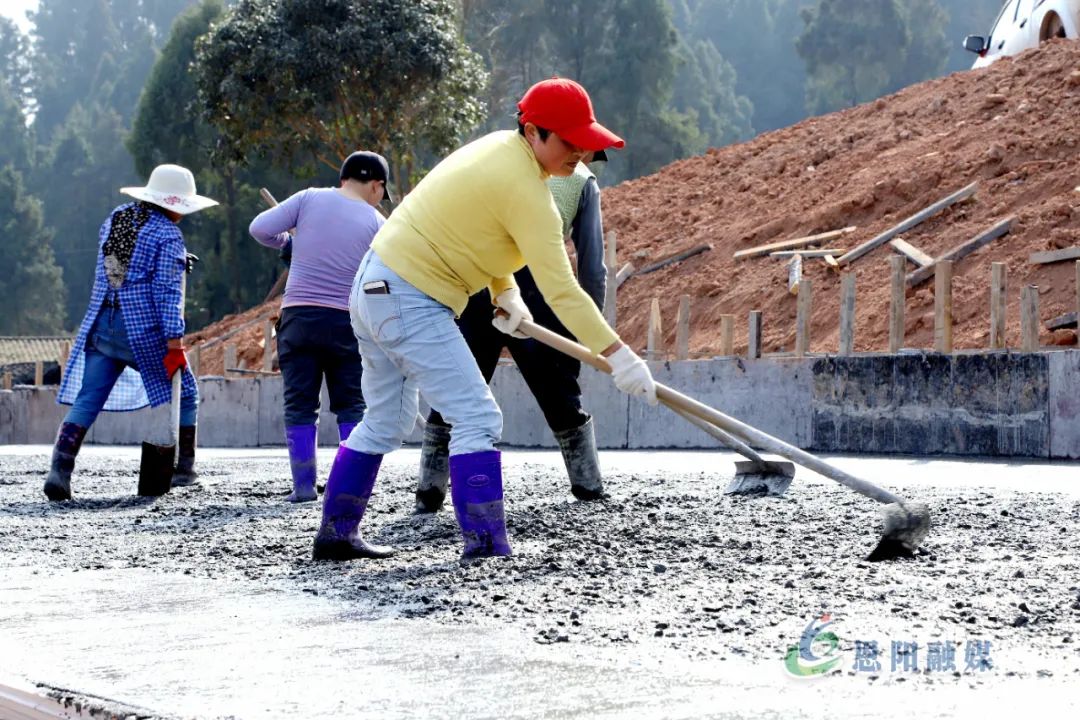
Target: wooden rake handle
685,404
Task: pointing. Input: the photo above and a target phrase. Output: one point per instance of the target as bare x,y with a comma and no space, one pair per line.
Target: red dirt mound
1011,126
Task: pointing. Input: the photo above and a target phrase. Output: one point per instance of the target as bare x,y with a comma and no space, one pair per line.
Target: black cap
599,156
364,166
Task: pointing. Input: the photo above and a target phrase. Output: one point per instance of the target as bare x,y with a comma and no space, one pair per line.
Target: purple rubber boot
301,442
344,430
347,492
477,492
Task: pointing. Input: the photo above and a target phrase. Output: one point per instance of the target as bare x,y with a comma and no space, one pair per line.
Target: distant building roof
31,349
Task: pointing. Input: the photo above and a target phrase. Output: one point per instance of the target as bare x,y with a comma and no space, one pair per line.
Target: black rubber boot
185,474
578,447
434,469
69,439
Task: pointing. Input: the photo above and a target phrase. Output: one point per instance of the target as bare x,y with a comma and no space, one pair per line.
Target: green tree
312,80
235,272
32,285
850,50
705,86
17,149
14,65
928,50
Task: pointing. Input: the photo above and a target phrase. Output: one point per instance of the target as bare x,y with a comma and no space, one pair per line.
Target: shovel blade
770,479
156,469
905,527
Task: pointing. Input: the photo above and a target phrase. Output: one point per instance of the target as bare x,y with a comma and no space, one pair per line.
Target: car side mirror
975,44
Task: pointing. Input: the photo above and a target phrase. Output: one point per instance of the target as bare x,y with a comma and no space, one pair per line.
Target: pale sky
16,10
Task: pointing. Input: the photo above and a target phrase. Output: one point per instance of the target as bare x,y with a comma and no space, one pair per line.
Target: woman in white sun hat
130,342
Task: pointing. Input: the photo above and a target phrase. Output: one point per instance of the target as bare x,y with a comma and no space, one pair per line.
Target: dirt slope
1011,126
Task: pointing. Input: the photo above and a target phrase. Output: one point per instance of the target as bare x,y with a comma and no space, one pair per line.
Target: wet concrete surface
668,600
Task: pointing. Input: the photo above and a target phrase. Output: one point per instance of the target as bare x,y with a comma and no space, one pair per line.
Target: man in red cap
480,215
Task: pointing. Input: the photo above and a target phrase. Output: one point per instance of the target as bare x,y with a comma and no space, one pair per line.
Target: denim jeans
410,344
108,352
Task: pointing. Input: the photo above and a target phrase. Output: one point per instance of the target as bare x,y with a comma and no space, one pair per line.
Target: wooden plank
794,274
655,346
624,274
794,243
847,314
612,285
230,359
824,252
1078,288
1029,318
5,380
963,250
943,312
682,329
727,335
268,346
897,265
239,328
753,335
802,318
911,252
927,212
998,304
1053,256
671,259
39,373
831,262
1068,320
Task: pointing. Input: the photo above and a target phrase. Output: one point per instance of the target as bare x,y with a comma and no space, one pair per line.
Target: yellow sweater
479,216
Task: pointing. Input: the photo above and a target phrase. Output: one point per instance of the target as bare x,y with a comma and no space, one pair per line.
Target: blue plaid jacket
150,299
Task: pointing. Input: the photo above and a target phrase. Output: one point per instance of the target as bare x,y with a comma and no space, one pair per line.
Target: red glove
174,360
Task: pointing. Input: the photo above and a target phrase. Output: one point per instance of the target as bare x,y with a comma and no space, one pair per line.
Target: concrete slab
271,412
1064,402
13,419
43,414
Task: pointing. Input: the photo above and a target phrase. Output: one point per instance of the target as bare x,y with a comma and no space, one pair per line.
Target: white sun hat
173,188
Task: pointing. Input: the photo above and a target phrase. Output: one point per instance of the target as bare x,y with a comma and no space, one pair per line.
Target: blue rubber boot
301,440
477,492
347,492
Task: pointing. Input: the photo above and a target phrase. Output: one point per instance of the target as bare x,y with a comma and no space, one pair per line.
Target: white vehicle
1023,24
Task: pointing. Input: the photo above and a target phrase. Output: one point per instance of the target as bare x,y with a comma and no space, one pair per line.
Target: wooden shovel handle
751,435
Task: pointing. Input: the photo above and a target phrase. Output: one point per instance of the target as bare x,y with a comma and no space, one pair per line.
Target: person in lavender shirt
332,229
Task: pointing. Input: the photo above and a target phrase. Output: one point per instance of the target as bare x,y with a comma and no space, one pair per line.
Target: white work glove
631,374
516,310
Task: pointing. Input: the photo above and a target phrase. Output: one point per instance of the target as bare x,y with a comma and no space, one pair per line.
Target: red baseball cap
563,107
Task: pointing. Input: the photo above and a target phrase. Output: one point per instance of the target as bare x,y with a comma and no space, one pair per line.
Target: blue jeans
108,352
410,344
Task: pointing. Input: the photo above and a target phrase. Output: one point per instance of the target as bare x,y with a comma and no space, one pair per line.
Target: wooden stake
194,359
943,317
230,360
624,274
612,274
896,307
268,346
1029,318
802,318
682,329
753,335
847,313
727,334
912,253
39,373
65,353
1078,291
998,303
655,346
5,383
